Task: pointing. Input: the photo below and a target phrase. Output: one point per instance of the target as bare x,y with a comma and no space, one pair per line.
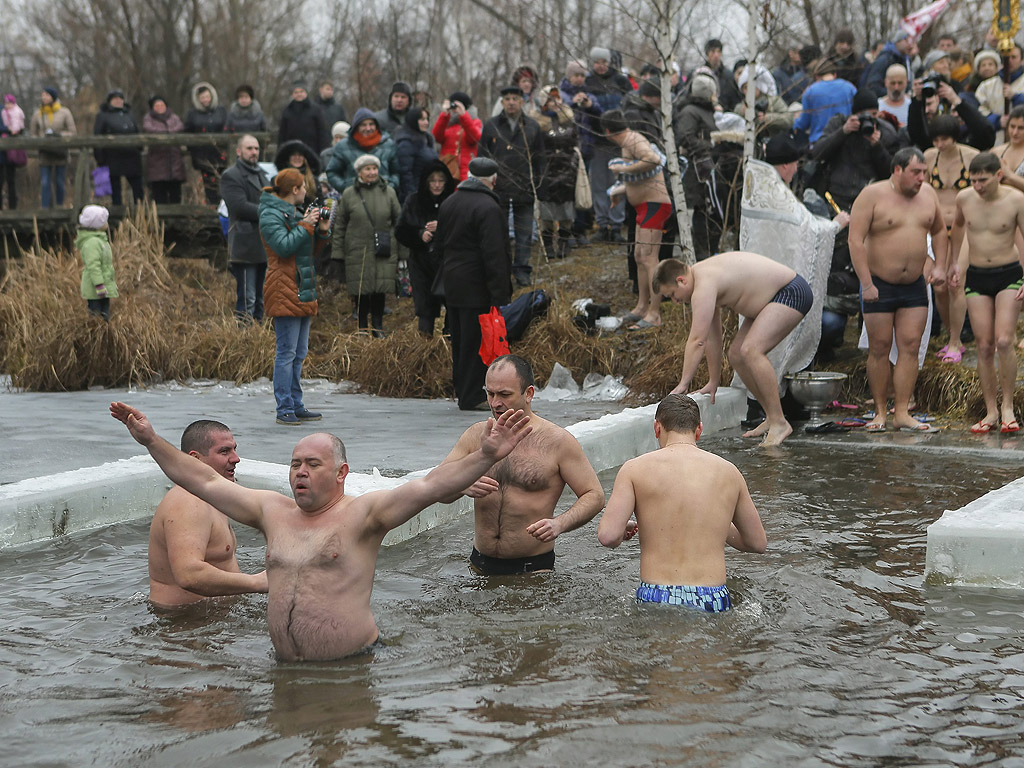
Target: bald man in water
191,544
322,544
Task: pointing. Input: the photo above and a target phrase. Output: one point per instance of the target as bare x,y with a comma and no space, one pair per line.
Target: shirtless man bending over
688,504
991,214
191,544
772,300
322,545
889,227
514,503
640,168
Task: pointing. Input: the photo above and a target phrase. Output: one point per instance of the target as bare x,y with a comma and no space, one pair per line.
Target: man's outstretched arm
238,503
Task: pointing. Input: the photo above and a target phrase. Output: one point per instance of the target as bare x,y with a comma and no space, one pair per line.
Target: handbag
101,185
584,198
452,160
493,336
381,237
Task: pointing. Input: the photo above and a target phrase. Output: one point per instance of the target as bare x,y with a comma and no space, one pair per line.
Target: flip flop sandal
851,422
953,356
827,428
845,406
942,352
629,318
982,428
921,429
642,325
874,427
1009,426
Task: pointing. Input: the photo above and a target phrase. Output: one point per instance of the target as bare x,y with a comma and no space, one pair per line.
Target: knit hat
115,93
650,87
340,128
10,99
154,99
93,217
782,149
863,100
703,87
932,57
54,93
287,180
300,84
364,160
462,98
987,53
482,167
400,87
597,53
575,68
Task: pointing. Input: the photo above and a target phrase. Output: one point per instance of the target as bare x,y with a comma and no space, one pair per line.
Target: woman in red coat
457,133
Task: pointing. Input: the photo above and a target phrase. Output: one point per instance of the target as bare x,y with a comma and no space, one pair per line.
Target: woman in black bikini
949,162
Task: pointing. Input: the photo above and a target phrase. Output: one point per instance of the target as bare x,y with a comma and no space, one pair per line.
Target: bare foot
777,434
759,430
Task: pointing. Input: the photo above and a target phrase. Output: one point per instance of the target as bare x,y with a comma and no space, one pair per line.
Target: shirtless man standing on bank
689,504
640,169
514,503
770,297
322,545
889,227
990,214
191,544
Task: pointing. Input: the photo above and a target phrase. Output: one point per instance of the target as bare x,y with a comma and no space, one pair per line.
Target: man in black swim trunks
990,215
889,227
515,526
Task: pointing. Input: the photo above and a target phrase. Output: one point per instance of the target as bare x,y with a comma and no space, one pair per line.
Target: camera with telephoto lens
868,124
930,85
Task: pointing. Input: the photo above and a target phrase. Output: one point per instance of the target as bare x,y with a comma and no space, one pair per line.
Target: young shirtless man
514,503
991,214
640,169
322,545
772,300
191,544
889,227
688,504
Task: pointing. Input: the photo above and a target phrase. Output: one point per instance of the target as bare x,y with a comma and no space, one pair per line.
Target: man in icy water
514,503
191,544
688,504
322,546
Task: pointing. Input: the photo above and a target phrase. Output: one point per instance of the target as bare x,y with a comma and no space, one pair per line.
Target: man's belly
501,524
318,625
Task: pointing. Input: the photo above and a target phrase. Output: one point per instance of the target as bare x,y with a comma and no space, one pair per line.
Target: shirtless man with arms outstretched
322,545
514,503
689,504
770,297
640,169
889,227
991,215
191,544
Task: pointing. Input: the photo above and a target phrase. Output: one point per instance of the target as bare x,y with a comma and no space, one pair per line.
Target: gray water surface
836,655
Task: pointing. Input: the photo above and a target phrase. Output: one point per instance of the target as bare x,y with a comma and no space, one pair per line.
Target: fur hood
195,95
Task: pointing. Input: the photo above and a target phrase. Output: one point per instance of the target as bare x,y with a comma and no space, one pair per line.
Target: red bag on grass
493,336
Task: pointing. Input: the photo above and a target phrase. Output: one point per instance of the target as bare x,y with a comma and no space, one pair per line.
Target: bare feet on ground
777,434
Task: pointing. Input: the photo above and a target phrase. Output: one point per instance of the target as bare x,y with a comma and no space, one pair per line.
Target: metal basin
815,390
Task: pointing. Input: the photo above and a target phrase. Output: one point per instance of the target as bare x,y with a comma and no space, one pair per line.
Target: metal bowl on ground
815,390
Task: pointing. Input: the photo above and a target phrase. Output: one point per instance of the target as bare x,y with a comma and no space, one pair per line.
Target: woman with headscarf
165,167
296,154
246,114
367,214
417,230
414,145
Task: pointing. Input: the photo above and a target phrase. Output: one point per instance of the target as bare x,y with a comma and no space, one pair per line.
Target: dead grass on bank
174,321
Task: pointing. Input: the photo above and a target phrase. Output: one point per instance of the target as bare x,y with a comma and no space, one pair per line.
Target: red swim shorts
653,215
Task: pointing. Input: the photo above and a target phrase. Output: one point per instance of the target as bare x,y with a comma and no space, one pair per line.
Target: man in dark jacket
399,100
896,51
694,121
476,268
642,109
516,143
976,131
304,120
607,85
240,188
334,112
115,117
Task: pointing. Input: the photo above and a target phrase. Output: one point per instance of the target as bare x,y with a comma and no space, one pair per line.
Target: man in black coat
333,110
304,120
240,189
476,269
516,143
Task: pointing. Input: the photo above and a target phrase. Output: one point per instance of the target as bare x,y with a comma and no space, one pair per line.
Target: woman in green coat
98,286
367,214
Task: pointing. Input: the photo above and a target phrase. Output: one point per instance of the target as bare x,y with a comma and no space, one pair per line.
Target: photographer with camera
935,96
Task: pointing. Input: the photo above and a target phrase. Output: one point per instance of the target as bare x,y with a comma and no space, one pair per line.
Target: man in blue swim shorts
688,505
889,228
